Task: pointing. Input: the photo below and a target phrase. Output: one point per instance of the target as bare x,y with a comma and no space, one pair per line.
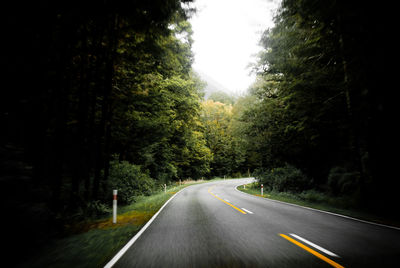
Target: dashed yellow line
238,209
322,257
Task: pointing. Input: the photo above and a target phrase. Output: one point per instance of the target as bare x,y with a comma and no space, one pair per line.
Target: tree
317,93
220,96
89,80
226,148
158,104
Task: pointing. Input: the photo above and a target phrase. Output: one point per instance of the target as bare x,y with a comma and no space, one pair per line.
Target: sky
226,35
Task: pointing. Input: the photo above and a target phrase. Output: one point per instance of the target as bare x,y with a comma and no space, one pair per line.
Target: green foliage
284,179
225,146
100,239
157,109
317,102
314,196
97,208
315,199
342,181
220,96
117,79
114,79
129,180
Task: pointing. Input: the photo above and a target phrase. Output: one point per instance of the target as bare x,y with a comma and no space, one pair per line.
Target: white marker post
115,192
262,189
165,188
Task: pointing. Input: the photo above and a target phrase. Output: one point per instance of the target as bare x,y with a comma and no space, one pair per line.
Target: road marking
322,257
248,211
238,209
315,246
322,211
138,234
227,200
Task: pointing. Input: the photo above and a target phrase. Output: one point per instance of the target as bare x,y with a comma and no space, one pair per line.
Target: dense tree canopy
222,97
112,78
102,94
321,104
90,85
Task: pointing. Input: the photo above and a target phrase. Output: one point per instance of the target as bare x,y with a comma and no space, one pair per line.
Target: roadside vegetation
102,96
93,241
289,185
317,122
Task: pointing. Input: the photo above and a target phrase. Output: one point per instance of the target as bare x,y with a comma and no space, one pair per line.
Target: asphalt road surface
215,225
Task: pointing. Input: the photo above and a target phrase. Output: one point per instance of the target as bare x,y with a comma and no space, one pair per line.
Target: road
215,225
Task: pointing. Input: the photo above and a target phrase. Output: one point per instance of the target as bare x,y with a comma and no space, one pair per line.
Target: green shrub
287,178
129,180
237,175
342,181
314,196
97,208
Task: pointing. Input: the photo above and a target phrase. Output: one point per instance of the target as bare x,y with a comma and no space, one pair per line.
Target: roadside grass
313,199
93,243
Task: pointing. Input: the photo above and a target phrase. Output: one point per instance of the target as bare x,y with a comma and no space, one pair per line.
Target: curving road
215,225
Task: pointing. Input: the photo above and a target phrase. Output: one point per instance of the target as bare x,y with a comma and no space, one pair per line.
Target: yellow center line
322,257
238,209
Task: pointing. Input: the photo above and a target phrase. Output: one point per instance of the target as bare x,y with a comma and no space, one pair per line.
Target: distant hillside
212,85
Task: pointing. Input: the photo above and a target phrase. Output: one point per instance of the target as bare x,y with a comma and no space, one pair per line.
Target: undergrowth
93,242
344,205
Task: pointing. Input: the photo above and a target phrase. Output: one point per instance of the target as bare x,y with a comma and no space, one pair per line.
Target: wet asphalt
198,229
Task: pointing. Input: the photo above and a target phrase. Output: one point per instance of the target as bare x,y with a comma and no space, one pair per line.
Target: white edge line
315,246
248,211
138,234
227,200
327,212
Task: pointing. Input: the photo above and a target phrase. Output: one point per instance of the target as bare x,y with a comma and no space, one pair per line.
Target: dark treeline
91,84
322,101
100,95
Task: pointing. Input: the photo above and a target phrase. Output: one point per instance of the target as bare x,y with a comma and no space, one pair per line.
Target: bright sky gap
226,36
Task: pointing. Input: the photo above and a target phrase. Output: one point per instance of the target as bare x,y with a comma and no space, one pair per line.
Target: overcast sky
226,35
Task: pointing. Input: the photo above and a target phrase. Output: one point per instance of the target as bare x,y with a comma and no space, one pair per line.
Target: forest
102,95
